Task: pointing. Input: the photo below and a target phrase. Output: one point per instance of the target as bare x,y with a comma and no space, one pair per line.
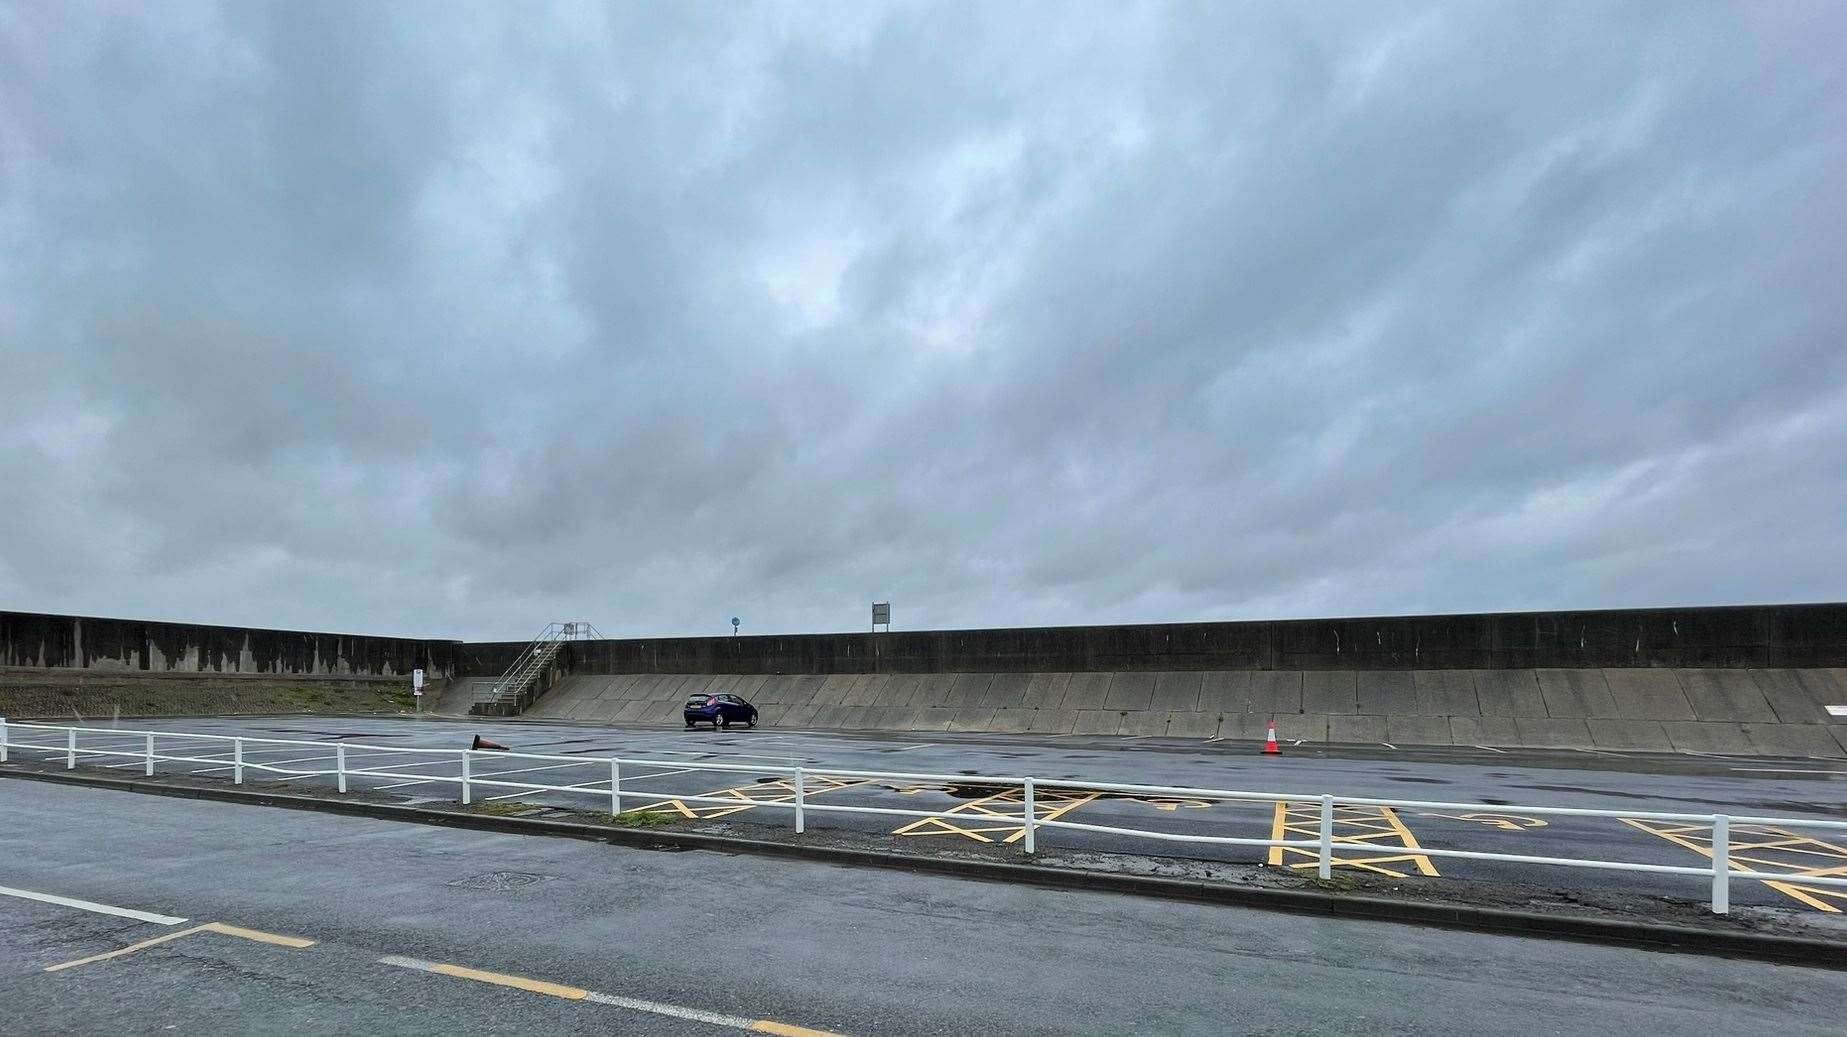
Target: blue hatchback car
719,711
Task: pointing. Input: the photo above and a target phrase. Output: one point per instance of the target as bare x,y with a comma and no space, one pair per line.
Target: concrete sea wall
1734,636
1772,712
38,641
1750,680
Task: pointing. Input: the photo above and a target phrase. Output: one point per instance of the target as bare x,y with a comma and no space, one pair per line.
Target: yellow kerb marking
209,927
786,1030
260,937
537,986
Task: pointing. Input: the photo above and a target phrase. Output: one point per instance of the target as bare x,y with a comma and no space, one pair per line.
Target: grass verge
506,808
634,819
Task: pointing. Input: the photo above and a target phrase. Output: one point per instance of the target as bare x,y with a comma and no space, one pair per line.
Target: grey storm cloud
452,320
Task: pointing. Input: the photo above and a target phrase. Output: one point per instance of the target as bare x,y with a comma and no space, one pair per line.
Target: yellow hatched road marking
1755,848
977,819
1353,826
749,797
209,927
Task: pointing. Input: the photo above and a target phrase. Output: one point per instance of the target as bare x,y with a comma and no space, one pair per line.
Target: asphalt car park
151,914
737,777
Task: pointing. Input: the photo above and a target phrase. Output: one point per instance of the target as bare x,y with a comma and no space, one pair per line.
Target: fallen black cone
482,743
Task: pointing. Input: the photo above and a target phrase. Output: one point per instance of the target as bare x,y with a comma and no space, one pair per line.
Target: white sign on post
416,681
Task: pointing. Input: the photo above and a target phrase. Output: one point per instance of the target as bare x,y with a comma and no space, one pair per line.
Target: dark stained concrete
36,640
1734,637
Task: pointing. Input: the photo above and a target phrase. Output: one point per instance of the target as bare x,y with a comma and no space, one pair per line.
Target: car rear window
695,700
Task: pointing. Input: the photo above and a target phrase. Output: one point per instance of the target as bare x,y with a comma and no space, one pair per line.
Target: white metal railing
144,746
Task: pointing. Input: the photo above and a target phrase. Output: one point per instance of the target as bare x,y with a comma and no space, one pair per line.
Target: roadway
987,815
329,925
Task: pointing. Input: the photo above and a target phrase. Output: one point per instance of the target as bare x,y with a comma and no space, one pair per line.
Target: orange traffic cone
482,743
1269,744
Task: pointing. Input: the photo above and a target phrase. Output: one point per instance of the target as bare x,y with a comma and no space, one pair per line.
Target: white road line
696,1015
1388,745
1787,770
91,905
675,1011
1490,748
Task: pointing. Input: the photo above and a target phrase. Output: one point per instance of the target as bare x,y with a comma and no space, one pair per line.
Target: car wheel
752,722
689,725
720,721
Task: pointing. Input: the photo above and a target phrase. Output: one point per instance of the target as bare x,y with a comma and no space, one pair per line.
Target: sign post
416,686
734,626
881,613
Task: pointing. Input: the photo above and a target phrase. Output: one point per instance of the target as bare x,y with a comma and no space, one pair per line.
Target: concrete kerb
1816,953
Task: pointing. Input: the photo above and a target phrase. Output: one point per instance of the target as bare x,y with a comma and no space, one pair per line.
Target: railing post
800,821
149,769
1721,865
70,749
467,792
339,766
615,786
2,739
1326,866
1030,815
237,761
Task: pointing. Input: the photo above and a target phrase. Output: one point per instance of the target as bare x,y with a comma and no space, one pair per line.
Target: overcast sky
451,321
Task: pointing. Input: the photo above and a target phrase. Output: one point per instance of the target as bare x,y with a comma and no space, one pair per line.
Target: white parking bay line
92,906
528,792
249,764
626,778
490,774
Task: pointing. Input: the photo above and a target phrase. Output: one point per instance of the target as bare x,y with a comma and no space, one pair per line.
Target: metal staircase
524,680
